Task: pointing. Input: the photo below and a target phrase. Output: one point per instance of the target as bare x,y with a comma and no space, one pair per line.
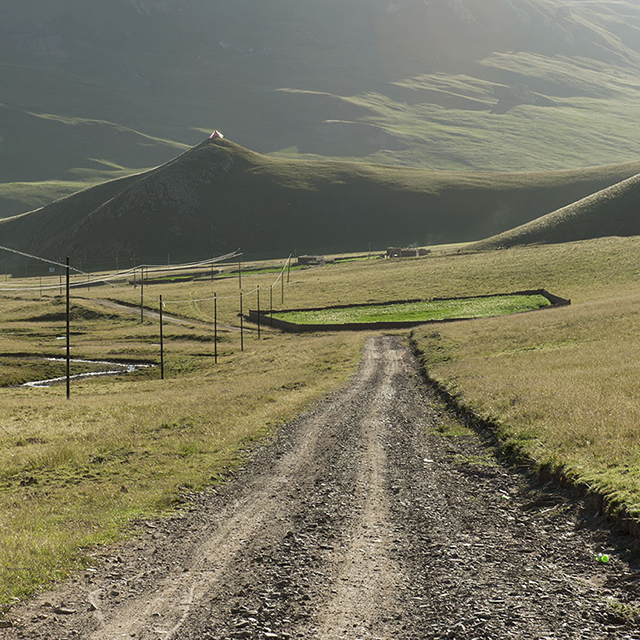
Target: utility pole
241,325
68,332
141,295
258,290
161,344
215,328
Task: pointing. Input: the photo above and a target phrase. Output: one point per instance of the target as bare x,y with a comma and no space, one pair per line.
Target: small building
315,261
405,252
216,134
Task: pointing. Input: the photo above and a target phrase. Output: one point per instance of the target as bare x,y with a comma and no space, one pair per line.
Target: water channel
107,368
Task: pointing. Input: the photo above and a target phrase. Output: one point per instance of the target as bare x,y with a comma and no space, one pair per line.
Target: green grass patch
423,311
480,460
622,612
448,429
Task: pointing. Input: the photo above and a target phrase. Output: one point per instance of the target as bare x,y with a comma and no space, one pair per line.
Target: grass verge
560,388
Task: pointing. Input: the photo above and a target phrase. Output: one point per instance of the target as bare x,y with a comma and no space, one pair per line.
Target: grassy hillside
526,85
219,196
562,385
88,152
614,211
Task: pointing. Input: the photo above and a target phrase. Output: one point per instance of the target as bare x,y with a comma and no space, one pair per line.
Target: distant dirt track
166,317
359,520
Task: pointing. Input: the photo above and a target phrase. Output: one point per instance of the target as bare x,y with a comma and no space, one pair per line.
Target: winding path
148,313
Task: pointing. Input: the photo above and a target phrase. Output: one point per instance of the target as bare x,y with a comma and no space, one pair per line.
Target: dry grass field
561,383
75,473
562,386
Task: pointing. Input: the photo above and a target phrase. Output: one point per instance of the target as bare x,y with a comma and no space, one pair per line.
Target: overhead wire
244,293
110,278
88,281
28,255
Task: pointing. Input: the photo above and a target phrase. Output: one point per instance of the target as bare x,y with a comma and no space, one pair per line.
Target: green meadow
422,311
561,386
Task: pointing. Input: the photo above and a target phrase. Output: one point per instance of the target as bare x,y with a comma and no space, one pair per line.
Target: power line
246,293
28,255
118,276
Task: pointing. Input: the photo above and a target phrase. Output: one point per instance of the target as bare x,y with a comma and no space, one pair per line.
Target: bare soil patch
372,516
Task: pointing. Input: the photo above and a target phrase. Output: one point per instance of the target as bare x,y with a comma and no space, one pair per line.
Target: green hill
465,85
614,211
219,196
88,152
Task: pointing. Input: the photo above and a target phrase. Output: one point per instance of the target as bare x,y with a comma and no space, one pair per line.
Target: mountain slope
614,211
447,84
219,196
88,152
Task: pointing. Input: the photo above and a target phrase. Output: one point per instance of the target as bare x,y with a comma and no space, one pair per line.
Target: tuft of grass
479,461
449,429
622,612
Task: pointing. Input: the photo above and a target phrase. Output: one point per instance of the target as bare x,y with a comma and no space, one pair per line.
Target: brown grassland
562,384
75,473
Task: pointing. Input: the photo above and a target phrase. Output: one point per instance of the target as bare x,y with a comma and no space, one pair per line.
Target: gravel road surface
365,518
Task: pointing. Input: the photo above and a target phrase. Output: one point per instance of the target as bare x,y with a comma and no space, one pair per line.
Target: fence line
192,300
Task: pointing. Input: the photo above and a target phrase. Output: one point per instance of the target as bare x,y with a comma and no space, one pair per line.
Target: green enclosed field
421,311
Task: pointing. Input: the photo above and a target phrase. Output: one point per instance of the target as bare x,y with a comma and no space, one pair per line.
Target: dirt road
366,518
155,315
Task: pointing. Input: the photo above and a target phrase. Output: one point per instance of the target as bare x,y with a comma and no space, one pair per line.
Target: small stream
107,369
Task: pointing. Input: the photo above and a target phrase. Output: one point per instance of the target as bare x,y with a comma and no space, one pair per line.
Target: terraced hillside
219,196
449,84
